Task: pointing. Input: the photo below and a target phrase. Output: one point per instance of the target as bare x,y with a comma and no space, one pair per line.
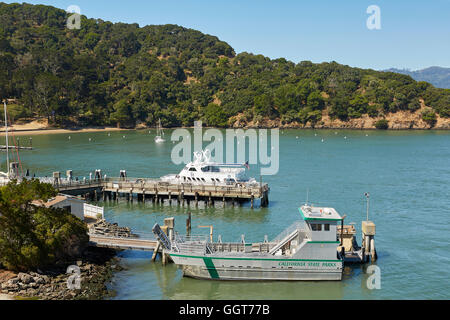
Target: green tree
215,116
429,116
382,124
264,105
33,236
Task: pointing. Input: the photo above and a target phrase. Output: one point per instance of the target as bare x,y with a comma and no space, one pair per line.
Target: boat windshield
211,169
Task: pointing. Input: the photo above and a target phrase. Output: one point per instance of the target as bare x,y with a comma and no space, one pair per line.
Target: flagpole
7,143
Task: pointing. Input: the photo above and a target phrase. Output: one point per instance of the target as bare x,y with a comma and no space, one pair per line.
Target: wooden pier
15,148
118,243
113,189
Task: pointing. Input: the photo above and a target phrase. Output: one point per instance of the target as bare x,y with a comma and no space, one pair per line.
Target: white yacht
159,133
204,171
308,250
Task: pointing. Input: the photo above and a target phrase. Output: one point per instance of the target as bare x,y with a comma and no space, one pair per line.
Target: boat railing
196,244
149,183
299,225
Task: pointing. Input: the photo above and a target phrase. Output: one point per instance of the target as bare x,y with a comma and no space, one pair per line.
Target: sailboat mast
7,143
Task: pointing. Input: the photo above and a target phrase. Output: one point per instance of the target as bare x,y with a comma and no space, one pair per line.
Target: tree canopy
33,236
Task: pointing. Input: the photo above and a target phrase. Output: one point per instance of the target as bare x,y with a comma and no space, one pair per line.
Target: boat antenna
367,195
7,145
307,196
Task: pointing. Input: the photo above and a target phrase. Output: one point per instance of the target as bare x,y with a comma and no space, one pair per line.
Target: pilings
368,241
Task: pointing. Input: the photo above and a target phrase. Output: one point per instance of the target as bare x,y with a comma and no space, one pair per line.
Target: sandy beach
38,128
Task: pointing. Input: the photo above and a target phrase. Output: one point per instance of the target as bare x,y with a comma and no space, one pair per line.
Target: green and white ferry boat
307,250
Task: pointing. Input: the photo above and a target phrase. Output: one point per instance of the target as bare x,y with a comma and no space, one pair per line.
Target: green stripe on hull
254,259
211,268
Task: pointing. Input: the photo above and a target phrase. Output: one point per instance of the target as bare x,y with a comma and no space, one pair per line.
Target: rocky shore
96,269
401,120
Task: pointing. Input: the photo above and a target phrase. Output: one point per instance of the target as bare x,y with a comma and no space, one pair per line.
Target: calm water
407,174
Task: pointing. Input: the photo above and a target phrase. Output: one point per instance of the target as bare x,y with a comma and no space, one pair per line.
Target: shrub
382,124
429,116
32,236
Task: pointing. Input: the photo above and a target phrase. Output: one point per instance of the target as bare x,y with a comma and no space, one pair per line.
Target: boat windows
193,170
316,227
206,169
327,227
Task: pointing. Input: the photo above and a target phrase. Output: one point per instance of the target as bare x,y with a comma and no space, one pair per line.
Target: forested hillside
122,74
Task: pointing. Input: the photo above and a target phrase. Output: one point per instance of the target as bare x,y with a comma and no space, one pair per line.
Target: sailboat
4,176
159,133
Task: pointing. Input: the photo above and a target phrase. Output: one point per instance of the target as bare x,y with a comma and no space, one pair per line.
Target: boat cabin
322,223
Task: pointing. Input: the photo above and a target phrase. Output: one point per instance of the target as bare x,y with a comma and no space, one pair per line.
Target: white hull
247,269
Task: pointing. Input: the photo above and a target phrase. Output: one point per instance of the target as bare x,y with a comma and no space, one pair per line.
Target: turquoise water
407,174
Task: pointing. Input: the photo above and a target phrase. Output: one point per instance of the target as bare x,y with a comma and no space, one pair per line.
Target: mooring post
164,257
155,252
188,224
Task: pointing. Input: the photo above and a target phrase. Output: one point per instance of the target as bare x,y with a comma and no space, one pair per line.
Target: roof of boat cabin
319,214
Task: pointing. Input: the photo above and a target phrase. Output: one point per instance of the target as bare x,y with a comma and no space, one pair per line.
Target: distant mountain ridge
437,76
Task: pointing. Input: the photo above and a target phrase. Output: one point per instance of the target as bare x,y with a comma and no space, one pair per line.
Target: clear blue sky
414,34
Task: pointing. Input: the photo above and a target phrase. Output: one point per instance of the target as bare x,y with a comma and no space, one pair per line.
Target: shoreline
96,265
36,132
4,297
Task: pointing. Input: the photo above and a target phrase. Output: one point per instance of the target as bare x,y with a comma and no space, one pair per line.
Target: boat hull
258,269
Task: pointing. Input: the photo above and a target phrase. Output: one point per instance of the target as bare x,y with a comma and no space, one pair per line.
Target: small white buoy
90,139
316,134
345,137
323,140
70,137
124,137
296,137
